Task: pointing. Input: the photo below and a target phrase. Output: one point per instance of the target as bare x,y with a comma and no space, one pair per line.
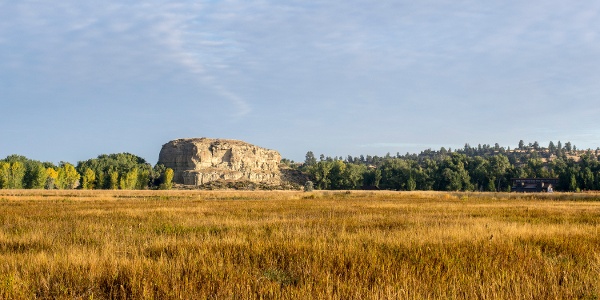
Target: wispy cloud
118,41
189,47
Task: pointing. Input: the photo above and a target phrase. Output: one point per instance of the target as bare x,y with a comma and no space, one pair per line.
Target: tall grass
321,245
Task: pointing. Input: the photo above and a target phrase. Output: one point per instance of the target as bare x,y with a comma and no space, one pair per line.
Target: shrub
308,186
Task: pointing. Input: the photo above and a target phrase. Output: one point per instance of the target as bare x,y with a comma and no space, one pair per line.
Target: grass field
294,245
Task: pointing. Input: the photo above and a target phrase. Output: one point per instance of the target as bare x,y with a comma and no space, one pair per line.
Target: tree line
480,168
123,171
471,168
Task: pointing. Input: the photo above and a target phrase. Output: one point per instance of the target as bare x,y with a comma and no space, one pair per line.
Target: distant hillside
480,168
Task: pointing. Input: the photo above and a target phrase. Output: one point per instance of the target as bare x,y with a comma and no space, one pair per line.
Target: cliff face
201,160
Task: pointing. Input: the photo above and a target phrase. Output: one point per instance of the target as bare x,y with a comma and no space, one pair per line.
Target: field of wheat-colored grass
295,245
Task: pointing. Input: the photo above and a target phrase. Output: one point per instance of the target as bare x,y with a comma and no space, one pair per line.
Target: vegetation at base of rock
242,186
167,179
294,245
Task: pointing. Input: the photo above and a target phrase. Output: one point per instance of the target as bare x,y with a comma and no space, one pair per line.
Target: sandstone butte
196,161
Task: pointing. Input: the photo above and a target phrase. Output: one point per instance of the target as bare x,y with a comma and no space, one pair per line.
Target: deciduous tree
68,178
89,179
167,179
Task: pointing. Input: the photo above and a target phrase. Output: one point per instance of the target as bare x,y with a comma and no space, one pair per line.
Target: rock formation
201,160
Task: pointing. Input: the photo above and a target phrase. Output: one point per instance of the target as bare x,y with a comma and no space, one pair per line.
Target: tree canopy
481,168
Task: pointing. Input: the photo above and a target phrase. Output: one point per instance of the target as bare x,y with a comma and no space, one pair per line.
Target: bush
309,186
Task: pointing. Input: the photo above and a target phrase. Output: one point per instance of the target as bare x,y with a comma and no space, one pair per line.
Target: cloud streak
189,48
103,43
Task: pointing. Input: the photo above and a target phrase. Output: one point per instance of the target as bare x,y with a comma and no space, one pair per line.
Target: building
533,185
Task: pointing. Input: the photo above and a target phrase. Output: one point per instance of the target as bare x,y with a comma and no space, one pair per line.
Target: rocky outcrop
201,160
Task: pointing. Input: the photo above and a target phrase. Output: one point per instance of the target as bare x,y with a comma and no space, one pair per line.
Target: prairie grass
294,245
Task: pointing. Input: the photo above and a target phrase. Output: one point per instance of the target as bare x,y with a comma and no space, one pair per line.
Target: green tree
353,176
587,178
498,165
143,181
411,184
337,175
167,179
157,175
573,183
479,170
452,175
395,173
122,163
37,176
535,168
551,147
310,160
372,178
568,147
320,174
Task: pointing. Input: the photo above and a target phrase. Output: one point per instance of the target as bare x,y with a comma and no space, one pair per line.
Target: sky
84,78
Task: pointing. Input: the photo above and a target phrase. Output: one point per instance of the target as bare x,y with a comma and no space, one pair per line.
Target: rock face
201,160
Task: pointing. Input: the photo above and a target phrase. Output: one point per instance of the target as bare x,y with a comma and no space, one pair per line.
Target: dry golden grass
321,245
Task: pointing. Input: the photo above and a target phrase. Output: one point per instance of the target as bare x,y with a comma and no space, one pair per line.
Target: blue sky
83,78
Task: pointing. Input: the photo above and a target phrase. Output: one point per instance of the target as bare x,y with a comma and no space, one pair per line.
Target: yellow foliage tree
51,180
89,179
68,178
114,180
129,182
4,174
17,172
11,175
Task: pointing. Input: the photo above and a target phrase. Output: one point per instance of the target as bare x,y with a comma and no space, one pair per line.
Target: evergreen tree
310,159
568,147
551,147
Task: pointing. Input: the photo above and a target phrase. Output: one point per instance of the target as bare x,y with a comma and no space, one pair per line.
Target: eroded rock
198,161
